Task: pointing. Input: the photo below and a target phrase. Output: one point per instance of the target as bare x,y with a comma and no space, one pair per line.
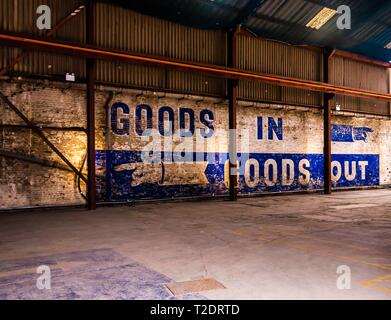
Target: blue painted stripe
115,185
346,133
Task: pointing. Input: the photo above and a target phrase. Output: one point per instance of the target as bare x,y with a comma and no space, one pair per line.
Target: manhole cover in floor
186,287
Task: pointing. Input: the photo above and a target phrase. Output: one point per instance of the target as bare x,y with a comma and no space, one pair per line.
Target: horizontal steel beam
35,43
51,32
360,58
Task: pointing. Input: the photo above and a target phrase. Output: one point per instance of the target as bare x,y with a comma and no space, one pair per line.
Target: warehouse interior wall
126,30
280,146
280,129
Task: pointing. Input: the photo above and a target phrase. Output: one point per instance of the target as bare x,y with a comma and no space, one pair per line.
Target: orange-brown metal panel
359,74
36,43
20,16
273,57
130,31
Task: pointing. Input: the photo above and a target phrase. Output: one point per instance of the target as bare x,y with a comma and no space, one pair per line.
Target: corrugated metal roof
283,20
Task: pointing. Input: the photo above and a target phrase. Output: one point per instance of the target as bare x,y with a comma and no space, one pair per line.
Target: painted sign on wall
196,161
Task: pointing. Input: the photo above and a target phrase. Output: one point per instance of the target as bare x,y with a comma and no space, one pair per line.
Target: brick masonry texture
25,184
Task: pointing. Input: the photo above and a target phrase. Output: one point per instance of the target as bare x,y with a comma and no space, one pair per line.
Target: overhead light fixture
321,18
388,46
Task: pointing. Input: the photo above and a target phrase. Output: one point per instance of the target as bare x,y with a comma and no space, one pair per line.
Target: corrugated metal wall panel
357,74
282,59
41,63
127,30
194,83
139,76
20,16
130,31
257,91
121,29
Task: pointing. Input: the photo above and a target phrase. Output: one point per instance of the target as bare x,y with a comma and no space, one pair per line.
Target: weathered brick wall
293,137
24,184
284,150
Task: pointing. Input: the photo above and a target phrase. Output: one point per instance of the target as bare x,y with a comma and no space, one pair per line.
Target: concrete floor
277,247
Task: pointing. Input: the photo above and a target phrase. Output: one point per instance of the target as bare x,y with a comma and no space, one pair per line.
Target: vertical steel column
90,75
232,93
327,124
389,89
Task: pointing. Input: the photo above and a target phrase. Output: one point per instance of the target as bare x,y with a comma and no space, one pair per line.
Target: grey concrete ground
277,247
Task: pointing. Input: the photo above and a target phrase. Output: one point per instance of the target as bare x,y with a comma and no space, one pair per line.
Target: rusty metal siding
42,64
362,75
282,59
121,29
127,30
130,31
130,75
20,16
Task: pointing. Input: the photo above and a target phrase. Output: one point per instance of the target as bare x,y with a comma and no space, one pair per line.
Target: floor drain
194,286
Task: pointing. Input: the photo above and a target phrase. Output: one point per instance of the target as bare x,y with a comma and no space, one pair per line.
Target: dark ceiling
283,20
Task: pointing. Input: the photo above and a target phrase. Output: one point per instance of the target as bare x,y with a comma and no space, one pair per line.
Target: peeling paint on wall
284,151
287,141
126,178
